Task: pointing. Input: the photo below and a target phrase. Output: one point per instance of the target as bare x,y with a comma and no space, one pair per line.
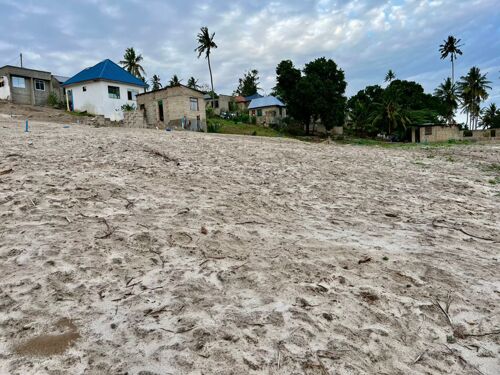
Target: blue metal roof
106,70
266,101
252,97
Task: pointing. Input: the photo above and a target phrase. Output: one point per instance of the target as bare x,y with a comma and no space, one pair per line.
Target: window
39,85
253,112
142,107
259,112
19,82
428,130
1,82
114,92
193,104
131,94
84,88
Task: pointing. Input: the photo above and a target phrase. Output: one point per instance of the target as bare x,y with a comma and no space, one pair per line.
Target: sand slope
185,253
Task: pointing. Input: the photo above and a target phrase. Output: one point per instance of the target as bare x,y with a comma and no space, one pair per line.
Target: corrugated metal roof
266,101
252,97
106,70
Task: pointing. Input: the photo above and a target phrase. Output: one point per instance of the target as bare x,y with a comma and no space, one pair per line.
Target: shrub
128,107
253,120
53,100
213,127
210,112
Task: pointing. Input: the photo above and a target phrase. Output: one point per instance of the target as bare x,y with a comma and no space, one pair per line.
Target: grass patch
494,181
80,114
229,127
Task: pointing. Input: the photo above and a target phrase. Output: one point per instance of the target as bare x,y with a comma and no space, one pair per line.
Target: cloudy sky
365,38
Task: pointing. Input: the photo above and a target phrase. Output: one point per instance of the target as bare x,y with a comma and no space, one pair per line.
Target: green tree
131,62
390,117
447,93
491,117
390,76
316,94
249,84
205,45
451,47
156,82
193,83
329,81
473,89
174,81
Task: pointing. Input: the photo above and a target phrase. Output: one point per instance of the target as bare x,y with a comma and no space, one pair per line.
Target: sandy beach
144,252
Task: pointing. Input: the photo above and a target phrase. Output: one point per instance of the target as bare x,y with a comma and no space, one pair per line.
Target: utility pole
21,58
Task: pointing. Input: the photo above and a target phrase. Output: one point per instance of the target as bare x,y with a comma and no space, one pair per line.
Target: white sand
275,286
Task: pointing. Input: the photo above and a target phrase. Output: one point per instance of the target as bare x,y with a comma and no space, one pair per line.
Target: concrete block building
28,86
174,107
435,133
268,110
221,103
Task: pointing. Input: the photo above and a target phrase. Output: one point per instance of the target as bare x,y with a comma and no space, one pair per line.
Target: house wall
5,89
176,105
96,100
270,115
484,135
440,133
223,102
28,94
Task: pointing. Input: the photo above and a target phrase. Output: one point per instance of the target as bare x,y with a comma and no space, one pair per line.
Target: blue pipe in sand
26,130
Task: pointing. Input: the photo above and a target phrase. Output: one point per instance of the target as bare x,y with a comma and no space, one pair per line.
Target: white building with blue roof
103,89
268,110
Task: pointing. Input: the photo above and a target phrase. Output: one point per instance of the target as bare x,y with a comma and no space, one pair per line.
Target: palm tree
193,83
390,76
131,63
205,45
174,81
491,116
358,119
473,90
155,82
390,115
447,92
451,47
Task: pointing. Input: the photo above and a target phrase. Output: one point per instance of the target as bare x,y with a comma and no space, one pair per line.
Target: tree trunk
452,71
211,82
307,128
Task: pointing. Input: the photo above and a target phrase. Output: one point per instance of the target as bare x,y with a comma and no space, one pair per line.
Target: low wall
483,135
134,119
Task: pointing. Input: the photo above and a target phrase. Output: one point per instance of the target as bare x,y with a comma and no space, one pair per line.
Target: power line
15,59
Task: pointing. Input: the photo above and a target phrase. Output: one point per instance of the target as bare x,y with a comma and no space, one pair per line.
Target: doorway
160,110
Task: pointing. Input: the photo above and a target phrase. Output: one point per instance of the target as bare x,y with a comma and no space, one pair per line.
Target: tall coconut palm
205,45
193,83
473,89
390,76
174,81
156,82
451,47
447,92
131,63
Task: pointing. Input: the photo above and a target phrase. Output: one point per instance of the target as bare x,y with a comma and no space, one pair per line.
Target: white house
103,89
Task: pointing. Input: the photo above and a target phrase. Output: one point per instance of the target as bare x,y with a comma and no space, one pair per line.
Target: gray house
28,86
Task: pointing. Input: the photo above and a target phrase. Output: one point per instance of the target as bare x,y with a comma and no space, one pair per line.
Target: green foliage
233,106
447,93
131,62
128,107
213,127
316,94
491,117
253,120
53,100
473,89
174,81
229,127
210,112
156,82
249,84
193,83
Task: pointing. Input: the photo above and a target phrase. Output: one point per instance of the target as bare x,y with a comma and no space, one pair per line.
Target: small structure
174,107
435,133
103,89
243,102
28,86
222,103
267,110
